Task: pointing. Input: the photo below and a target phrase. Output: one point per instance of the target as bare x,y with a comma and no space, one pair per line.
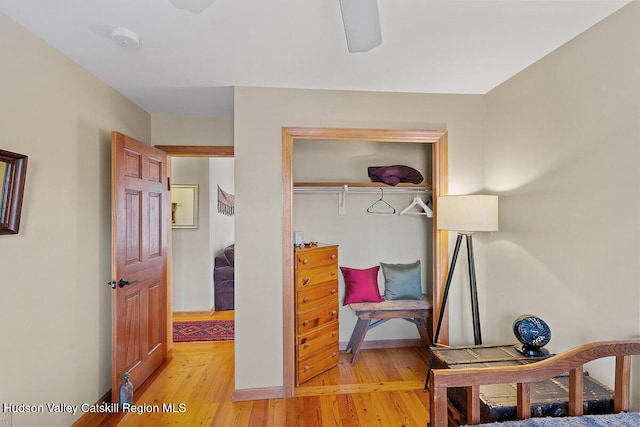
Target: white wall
192,259
260,114
365,239
194,249
56,306
222,226
562,151
168,129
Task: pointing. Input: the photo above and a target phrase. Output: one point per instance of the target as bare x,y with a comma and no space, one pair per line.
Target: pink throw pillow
361,285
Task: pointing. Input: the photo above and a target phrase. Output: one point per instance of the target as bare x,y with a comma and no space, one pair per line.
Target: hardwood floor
383,389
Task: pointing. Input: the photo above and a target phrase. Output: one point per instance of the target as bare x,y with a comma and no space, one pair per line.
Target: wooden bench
522,376
372,314
549,398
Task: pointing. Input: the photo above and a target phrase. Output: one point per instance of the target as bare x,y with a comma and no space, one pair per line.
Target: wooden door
139,272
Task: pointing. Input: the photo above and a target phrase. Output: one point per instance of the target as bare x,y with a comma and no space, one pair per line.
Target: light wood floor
383,389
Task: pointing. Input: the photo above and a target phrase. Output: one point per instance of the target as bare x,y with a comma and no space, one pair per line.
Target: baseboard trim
257,394
373,344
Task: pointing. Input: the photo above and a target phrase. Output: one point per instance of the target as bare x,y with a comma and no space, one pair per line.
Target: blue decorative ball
532,330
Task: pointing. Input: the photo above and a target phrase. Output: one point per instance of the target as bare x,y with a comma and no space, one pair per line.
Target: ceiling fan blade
195,6
361,24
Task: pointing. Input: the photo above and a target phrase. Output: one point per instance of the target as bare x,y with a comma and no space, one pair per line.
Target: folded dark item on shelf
393,175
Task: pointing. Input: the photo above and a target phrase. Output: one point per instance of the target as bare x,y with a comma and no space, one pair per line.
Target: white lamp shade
467,213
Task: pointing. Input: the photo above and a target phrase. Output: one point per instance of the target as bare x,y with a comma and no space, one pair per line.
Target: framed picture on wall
184,205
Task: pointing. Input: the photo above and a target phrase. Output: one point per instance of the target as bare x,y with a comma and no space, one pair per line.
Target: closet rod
344,189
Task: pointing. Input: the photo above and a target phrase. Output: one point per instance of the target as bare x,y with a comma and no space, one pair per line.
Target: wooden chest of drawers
316,295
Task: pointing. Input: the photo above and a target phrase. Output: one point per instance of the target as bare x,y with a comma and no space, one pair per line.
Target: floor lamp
466,215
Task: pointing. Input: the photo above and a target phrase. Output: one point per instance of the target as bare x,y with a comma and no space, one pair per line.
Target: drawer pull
333,333
334,354
307,367
333,273
305,323
305,281
305,261
306,345
333,256
305,299
333,291
333,313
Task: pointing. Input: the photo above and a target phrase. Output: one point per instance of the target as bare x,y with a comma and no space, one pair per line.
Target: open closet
329,198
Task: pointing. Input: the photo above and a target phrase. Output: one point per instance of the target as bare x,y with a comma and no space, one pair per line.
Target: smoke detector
125,38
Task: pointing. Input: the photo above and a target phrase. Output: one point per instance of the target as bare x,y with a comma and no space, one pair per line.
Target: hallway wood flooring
383,389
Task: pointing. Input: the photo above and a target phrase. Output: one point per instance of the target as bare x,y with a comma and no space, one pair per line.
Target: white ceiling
188,63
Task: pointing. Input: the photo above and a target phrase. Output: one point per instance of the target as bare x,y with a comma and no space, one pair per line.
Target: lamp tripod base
475,311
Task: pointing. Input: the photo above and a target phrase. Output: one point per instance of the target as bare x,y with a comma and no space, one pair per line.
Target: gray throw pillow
402,281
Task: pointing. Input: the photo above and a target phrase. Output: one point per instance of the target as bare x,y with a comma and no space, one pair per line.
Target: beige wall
55,304
558,142
562,152
259,117
170,129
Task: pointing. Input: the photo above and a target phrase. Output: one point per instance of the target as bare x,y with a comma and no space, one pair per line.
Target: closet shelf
342,186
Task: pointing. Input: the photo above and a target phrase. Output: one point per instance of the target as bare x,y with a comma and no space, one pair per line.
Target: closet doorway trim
439,170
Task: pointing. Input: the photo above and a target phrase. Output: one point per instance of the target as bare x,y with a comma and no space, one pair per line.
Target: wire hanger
417,201
385,206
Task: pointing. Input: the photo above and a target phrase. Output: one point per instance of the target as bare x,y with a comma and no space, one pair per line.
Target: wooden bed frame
571,361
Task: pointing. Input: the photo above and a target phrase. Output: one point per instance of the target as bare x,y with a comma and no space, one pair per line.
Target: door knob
112,284
122,283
